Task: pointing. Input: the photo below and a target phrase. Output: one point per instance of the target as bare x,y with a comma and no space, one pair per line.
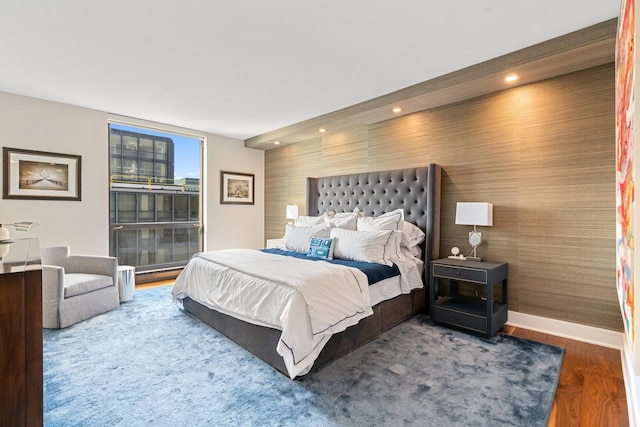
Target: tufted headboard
416,190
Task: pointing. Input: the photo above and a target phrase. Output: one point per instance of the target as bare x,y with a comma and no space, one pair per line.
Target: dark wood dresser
21,395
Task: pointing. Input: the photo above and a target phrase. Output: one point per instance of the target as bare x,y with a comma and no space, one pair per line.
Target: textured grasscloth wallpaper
543,154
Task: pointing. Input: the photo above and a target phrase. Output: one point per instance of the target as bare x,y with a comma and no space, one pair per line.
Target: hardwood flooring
591,389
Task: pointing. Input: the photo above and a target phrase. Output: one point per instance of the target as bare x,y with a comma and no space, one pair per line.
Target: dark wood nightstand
461,295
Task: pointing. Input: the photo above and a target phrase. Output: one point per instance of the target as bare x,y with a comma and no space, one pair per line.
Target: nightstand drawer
457,318
460,273
275,243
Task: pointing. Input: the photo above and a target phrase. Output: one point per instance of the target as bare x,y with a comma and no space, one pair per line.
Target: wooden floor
591,388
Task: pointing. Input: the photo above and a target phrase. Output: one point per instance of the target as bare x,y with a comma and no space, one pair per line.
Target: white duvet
308,301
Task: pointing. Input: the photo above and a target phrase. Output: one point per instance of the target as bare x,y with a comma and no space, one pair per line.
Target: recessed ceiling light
322,130
511,78
397,110
276,142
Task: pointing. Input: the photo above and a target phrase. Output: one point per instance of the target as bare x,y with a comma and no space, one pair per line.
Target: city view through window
154,206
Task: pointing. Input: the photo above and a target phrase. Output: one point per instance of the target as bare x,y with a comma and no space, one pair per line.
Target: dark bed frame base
262,341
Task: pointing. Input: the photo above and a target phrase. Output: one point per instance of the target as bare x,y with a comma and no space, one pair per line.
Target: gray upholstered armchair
76,287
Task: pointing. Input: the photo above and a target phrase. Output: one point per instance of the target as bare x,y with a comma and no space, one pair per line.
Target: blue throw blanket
374,272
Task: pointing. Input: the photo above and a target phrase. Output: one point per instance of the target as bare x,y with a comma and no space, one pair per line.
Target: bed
240,293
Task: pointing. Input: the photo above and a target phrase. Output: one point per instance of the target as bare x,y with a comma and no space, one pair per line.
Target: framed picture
39,175
236,188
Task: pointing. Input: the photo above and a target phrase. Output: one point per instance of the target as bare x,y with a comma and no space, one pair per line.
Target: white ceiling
241,68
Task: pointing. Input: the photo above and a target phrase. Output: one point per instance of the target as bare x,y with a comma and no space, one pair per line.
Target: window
155,197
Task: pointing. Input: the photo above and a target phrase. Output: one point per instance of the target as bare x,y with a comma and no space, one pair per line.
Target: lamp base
474,258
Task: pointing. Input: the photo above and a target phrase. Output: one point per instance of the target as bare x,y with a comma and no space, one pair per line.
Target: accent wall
542,153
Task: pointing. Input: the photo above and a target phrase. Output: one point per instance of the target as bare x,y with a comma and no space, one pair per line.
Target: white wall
233,226
35,124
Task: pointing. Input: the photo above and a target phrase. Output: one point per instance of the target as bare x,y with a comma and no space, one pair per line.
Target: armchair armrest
52,294
53,282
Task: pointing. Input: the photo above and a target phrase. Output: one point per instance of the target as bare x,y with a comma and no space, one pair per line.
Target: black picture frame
41,175
237,188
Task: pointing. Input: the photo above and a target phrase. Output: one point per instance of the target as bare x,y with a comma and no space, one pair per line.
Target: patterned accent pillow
321,248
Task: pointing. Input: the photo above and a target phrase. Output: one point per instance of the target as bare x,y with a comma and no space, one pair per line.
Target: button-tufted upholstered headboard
416,190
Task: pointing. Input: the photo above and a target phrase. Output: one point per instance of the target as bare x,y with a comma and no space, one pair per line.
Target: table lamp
292,213
474,213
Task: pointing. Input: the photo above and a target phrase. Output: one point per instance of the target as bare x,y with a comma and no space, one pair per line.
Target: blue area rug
148,363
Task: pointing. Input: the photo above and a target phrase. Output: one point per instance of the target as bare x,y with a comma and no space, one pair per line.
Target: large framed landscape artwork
39,175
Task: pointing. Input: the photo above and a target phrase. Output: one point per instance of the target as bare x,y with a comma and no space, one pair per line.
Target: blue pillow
321,248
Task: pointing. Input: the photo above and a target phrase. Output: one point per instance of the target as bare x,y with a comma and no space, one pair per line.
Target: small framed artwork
236,188
39,175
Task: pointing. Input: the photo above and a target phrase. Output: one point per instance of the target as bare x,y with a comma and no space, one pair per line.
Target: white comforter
308,301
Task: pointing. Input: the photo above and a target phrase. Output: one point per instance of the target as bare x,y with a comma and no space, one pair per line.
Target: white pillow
310,221
389,221
348,220
297,238
334,214
394,247
412,235
414,251
370,246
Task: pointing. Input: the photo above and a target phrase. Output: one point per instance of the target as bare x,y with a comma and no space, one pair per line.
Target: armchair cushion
80,283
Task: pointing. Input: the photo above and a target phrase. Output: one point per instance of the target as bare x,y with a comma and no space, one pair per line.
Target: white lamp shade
474,213
292,211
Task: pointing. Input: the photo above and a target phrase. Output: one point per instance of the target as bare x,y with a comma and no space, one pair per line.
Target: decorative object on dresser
18,226
4,241
21,398
5,237
461,295
474,213
405,199
76,287
24,225
4,233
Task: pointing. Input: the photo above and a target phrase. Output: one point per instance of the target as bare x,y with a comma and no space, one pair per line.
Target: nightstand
275,243
461,295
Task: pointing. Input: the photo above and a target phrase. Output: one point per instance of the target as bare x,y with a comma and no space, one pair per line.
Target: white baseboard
560,328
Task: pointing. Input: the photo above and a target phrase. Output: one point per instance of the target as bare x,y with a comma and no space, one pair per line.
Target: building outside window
154,215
